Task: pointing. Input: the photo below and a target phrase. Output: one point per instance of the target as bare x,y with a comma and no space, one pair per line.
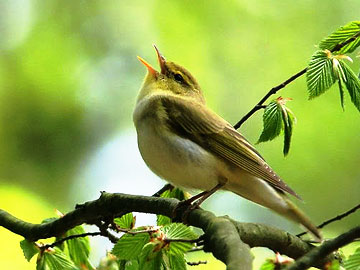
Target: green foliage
130,246
352,83
268,265
179,231
160,249
319,74
54,259
78,248
170,193
278,117
334,265
353,262
29,249
341,35
126,221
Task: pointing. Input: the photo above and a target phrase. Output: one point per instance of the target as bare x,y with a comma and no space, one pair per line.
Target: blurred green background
69,78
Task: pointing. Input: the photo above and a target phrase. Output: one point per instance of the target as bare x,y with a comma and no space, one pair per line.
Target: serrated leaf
29,249
79,248
132,265
353,262
288,119
177,262
130,246
341,35
162,220
172,193
341,90
268,265
179,231
149,259
126,221
54,259
272,121
319,74
352,83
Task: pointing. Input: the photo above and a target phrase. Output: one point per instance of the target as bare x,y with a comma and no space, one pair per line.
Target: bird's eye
178,78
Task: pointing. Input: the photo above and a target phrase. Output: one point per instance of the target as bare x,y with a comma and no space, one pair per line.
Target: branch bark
224,237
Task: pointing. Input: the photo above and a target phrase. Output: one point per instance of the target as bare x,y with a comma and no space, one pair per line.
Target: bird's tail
295,214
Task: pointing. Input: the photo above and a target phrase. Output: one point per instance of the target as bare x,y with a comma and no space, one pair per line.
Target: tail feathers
298,216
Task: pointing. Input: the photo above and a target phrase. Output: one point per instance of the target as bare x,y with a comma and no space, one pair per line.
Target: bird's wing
193,120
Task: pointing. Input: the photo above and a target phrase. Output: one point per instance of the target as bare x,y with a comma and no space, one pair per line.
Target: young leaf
272,122
177,262
353,262
352,83
149,259
341,90
344,33
29,249
319,74
126,221
79,248
268,265
54,259
130,246
288,119
173,193
179,231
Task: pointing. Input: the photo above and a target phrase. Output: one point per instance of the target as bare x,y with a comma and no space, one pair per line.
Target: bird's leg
201,197
195,201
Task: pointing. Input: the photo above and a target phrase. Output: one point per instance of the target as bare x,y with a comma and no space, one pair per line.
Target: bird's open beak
161,60
148,66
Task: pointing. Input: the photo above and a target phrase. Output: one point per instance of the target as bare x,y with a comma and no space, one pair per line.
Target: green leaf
272,120
341,90
352,83
288,119
268,265
177,262
353,262
130,246
126,221
179,231
344,33
319,74
79,248
334,265
150,259
54,259
173,193
110,262
29,249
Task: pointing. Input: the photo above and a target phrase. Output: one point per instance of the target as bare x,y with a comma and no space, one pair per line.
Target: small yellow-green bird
185,143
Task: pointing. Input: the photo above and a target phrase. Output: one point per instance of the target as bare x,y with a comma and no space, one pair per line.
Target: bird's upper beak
161,60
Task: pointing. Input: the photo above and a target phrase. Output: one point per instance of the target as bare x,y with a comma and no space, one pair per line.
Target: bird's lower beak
148,66
161,60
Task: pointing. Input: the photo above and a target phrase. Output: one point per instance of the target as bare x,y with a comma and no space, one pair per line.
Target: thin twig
275,89
338,217
196,249
318,253
60,241
196,263
129,231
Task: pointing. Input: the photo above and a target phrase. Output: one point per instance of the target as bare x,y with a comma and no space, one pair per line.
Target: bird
187,144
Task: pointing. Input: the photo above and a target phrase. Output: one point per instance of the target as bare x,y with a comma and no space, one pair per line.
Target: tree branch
275,89
326,248
338,217
224,237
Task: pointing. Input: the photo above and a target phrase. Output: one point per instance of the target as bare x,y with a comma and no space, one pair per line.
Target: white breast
175,159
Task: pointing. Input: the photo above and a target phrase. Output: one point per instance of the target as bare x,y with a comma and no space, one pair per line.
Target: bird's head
171,78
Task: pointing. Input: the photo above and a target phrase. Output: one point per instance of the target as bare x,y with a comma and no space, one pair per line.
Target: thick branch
326,248
224,237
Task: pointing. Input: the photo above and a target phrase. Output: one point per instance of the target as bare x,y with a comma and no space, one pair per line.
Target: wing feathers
195,121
